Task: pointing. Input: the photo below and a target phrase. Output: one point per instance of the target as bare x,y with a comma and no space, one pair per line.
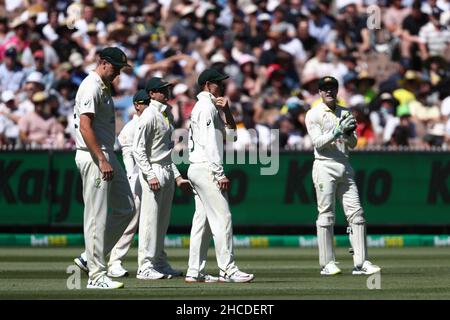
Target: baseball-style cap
39,54
211,75
11,52
36,77
328,82
156,83
141,97
7,95
115,56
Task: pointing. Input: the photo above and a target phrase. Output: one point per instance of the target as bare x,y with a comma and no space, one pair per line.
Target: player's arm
350,139
213,139
87,108
87,132
230,124
126,144
319,139
142,135
223,104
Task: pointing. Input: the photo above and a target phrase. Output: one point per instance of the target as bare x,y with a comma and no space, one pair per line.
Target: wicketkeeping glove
349,124
346,124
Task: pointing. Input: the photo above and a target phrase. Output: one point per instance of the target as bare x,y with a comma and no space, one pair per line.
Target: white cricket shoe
367,268
330,269
206,278
81,263
104,282
237,276
168,270
117,271
151,274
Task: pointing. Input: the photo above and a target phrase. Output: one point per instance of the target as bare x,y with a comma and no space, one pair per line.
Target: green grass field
281,273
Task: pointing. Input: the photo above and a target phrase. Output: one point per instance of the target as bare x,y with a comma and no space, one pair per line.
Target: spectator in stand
9,117
17,39
383,118
364,85
49,54
39,129
364,130
77,73
411,26
249,80
319,25
11,72
405,132
33,84
435,38
65,45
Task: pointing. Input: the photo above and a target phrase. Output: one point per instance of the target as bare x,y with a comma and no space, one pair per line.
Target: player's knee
325,220
357,217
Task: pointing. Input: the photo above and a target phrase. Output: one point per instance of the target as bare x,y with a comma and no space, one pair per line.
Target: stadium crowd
392,64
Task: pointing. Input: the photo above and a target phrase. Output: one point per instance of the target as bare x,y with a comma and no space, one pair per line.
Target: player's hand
349,124
184,185
106,170
222,102
224,184
154,184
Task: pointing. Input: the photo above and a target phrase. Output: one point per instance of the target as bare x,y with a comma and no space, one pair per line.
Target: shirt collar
99,79
161,107
206,95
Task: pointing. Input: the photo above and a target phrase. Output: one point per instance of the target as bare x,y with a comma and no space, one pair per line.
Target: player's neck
102,76
331,105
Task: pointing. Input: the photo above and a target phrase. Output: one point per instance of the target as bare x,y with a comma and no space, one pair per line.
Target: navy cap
115,56
141,97
11,52
211,75
328,82
156,83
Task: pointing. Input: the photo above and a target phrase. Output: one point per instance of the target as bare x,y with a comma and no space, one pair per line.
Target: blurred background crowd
392,63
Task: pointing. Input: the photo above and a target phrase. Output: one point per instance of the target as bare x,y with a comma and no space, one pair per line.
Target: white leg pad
358,240
325,235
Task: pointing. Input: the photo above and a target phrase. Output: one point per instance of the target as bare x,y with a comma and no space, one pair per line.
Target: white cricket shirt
206,134
320,122
153,139
94,96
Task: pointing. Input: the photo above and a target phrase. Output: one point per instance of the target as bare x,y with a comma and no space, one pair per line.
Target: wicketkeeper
332,130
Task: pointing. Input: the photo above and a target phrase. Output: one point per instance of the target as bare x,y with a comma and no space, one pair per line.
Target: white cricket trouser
102,229
212,217
155,217
123,245
334,179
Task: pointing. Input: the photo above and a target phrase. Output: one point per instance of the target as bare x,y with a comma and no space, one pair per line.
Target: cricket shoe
330,269
168,270
151,274
206,278
367,268
81,263
104,282
237,276
117,271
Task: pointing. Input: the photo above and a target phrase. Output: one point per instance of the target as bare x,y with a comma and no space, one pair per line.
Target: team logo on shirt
321,187
97,183
208,122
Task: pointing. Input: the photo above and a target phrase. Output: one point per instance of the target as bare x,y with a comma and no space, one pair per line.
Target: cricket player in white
105,184
212,214
332,130
126,138
152,150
